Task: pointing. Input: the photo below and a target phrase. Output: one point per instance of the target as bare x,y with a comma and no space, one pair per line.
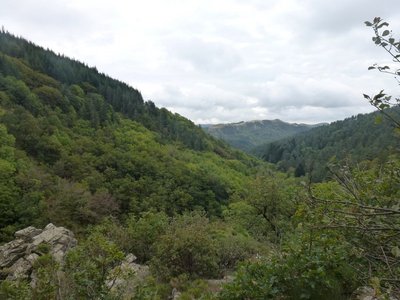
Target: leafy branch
383,37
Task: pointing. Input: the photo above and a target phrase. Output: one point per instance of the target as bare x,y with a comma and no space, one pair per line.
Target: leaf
383,68
368,23
380,95
385,33
371,68
383,24
387,98
391,40
367,97
396,251
383,106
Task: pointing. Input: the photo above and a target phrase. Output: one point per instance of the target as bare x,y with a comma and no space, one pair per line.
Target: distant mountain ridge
363,137
248,135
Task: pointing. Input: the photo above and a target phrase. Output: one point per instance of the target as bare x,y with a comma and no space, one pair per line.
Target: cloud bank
222,61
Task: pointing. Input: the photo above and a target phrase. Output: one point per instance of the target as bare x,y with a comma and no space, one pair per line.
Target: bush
320,272
186,248
234,248
15,290
47,275
89,265
151,289
144,232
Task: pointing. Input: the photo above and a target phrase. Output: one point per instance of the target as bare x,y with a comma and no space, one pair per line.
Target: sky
219,61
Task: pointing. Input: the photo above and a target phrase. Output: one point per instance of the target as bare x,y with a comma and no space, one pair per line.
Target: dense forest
248,135
84,151
356,139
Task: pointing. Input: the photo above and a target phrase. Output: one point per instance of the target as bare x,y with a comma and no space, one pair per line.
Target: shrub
144,232
186,248
319,272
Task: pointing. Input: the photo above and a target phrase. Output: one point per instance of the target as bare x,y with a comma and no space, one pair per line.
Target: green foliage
49,95
193,246
193,289
363,204
82,150
309,262
186,248
89,148
8,186
265,211
234,247
68,205
144,232
302,271
43,71
89,265
356,139
267,198
385,39
262,281
151,289
47,278
15,290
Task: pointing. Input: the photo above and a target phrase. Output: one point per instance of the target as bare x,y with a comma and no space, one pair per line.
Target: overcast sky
217,61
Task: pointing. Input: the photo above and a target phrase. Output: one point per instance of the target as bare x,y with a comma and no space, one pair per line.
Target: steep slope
361,137
118,95
77,146
247,135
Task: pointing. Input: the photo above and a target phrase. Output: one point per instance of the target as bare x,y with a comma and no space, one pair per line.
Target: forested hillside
248,135
162,210
46,72
359,138
78,146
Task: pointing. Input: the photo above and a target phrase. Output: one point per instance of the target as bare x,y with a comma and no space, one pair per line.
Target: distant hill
247,135
359,138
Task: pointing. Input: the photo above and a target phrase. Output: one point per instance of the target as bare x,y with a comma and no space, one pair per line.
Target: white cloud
226,60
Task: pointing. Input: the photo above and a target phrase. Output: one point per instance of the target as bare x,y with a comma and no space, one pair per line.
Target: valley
104,195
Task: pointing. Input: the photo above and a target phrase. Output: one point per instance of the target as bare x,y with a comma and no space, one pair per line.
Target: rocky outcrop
18,256
123,279
175,295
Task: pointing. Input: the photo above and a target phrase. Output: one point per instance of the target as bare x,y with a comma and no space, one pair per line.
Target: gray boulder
59,239
21,269
124,278
27,233
18,256
175,295
11,252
